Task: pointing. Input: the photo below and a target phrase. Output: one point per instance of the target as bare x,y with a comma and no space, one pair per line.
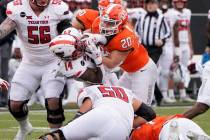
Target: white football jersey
118,98
183,18
37,31
73,69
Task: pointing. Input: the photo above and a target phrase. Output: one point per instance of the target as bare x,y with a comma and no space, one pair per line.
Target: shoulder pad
124,40
59,7
13,9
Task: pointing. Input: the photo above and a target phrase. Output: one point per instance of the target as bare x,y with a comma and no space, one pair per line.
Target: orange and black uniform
86,17
151,130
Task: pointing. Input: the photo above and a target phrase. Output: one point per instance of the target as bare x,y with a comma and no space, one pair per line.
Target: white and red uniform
36,32
75,68
166,59
111,116
204,91
183,18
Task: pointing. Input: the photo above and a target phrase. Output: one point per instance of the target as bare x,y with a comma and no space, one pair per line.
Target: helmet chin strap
38,5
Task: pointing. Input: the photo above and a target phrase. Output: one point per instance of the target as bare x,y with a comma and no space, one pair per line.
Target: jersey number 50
115,92
39,35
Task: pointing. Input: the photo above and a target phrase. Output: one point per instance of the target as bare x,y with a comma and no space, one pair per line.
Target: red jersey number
115,92
38,35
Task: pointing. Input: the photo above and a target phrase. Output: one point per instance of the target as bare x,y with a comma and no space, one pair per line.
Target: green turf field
8,126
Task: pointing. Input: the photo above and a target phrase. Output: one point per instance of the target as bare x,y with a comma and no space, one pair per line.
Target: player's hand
4,85
95,38
95,53
159,42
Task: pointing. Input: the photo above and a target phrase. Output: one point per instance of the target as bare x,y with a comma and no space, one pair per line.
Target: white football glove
95,53
4,85
95,38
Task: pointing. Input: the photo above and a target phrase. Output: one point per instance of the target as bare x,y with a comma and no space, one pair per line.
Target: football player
36,24
203,100
140,72
167,54
169,128
84,18
4,85
75,62
106,113
180,44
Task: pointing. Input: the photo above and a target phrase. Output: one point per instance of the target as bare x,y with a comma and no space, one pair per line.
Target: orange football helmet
113,19
102,4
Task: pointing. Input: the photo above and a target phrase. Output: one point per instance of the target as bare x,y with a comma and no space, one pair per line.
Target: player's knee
18,109
146,112
55,112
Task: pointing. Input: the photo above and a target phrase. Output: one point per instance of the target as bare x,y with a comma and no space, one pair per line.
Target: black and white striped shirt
152,26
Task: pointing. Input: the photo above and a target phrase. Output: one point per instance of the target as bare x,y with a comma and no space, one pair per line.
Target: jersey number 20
115,92
39,35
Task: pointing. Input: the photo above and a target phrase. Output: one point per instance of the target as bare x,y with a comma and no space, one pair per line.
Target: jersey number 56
39,35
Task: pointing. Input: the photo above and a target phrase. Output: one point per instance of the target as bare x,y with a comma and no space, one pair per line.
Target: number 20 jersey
113,98
37,31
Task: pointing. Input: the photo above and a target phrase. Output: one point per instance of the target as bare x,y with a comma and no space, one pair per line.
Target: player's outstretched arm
93,75
6,27
144,112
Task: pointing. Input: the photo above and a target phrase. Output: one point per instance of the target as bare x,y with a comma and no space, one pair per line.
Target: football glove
4,85
95,38
95,53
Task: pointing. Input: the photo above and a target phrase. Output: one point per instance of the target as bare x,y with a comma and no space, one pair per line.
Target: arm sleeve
12,11
62,11
166,28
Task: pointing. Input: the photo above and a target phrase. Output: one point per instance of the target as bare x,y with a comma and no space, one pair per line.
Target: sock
182,93
171,93
165,94
23,123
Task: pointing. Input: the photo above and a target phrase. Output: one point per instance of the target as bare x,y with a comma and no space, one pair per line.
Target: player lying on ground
4,85
106,113
169,128
203,100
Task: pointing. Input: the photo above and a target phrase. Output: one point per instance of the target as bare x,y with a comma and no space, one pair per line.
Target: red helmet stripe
60,42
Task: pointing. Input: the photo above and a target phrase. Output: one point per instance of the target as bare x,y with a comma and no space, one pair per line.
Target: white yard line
37,112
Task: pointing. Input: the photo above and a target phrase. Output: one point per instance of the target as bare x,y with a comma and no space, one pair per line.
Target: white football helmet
182,129
66,47
73,32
